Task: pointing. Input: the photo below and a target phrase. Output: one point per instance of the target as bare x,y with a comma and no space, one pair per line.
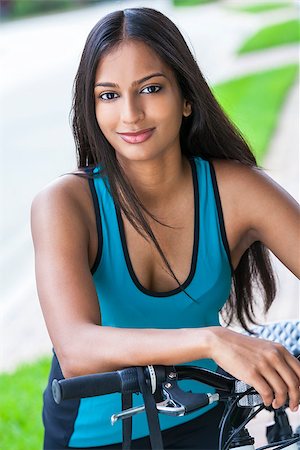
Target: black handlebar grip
86,386
129,377
129,380
123,381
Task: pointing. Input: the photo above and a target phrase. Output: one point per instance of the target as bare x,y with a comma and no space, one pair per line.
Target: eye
108,94
153,89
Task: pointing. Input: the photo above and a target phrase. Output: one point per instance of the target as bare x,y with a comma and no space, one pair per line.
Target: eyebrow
106,84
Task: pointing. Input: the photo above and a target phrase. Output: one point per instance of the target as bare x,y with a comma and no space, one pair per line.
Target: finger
289,368
277,385
279,388
294,363
264,389
293,381
283,378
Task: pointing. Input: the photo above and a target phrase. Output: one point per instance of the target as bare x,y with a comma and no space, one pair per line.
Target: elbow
68,370
75,361
77,354
71,363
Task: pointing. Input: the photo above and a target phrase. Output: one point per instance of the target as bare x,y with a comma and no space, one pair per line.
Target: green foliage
272,36
253,103
21,406
262,7
27,8
191,2
23,8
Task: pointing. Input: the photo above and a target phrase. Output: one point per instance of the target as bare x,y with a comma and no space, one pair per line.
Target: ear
187,109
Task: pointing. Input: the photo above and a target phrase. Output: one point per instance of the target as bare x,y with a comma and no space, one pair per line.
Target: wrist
208,337
213,337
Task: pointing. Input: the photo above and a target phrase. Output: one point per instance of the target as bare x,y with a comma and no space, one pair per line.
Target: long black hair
207,132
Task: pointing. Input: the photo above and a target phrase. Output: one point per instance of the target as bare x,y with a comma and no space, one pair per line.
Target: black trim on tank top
220,214
195,246
99,225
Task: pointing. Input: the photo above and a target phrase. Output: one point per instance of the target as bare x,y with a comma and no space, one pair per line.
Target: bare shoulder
251,187
231,172
262,209
68,187
234,180
230,176
63,203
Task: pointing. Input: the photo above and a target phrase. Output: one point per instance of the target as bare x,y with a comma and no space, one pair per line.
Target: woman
169,219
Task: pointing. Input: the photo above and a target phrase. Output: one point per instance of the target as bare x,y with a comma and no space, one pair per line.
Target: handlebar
162,379
124,381
95,384
170,399
206,376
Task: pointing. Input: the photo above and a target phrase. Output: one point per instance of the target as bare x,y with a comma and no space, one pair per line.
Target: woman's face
125,103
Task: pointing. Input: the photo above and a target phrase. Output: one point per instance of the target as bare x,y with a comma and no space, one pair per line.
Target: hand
267,366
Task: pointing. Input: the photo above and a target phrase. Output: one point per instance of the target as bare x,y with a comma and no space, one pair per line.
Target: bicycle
161,393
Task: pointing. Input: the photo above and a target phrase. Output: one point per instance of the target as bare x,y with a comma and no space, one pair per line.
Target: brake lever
176,403
162,407
188,400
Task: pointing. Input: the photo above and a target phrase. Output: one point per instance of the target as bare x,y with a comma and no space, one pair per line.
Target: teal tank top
126,303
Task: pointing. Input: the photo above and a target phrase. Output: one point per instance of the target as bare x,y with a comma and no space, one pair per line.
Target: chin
137,153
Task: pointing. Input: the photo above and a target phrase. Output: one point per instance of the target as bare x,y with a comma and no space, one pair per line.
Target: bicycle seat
286,333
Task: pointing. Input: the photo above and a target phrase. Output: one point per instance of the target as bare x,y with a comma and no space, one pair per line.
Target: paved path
40,57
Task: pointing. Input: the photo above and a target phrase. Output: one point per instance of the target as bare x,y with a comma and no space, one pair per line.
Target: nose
132,110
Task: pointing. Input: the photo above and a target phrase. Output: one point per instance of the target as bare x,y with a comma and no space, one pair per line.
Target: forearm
104,349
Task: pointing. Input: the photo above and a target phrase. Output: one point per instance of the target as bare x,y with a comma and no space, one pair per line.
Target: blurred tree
191,2
24,8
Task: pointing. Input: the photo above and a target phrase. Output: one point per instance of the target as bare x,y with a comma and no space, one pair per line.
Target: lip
138,136
135,133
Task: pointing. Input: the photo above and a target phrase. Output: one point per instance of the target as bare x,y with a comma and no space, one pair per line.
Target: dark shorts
200,433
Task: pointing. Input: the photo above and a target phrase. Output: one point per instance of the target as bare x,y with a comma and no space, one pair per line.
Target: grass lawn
272,36
254,102
21,405
191,2
262,7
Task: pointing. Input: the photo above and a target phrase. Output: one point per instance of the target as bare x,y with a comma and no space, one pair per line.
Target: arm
273,217
69,301
71,310
263,211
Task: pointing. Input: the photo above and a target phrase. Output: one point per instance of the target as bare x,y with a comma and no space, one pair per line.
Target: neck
157,182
